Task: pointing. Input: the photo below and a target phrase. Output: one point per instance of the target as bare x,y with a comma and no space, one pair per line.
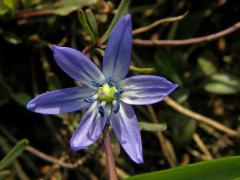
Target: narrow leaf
222,83
142,70
60,7
21,98
122,9
207,63
220,169
84,22
11,38
152,126
14,153
92,21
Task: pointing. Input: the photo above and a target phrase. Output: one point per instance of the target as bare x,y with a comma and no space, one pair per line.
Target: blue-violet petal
77,65
60,101
125,127
116,60
90,127
145,89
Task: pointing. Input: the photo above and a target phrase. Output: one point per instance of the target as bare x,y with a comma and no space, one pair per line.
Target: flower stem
111,168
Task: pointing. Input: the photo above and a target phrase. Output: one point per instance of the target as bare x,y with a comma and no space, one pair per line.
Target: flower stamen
110,82
116,105
118,93
101,110
96,84
90,99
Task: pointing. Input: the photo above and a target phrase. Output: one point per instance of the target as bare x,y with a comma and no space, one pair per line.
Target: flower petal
90,128
60,101
140,90
77,65
117,58
125,127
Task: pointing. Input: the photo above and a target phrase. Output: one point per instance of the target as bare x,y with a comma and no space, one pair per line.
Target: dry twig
201,118
202,146
190,41
44,156
157,23
53,160
166,145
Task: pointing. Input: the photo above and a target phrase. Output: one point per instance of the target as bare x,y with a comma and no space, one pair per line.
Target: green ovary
106,93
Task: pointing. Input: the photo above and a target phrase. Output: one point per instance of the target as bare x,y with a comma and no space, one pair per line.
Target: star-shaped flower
107,95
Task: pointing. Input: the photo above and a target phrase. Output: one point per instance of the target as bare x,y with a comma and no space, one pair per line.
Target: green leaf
84,22
11,38
219,169
3,9
92,21
182,137
11,4
14,153
171,64
122,9
63,7
181,95
207,64
153,127
4,174
21,98
222,83
142,70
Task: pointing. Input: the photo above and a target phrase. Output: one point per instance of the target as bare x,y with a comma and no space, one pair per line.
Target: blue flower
107,95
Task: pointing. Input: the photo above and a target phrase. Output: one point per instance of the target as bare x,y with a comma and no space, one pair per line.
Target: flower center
107,93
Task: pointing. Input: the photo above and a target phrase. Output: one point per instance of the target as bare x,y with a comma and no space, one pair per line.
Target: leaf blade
84,22
92,21
220,169
13,153
222,83
122,9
